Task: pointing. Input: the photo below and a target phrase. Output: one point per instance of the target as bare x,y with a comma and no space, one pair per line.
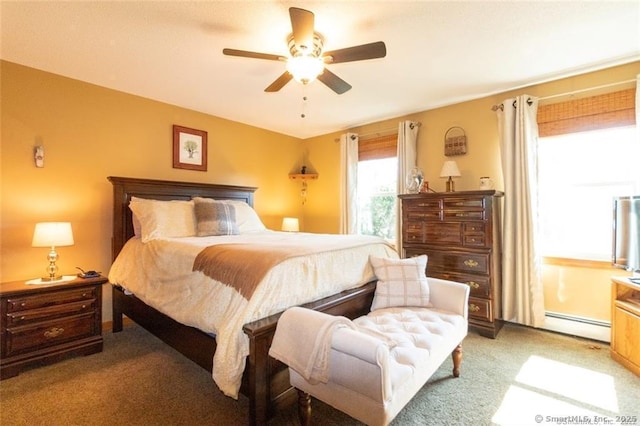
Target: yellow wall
588,289
89,133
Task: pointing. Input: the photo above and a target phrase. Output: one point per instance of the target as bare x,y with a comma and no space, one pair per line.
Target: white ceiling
438,52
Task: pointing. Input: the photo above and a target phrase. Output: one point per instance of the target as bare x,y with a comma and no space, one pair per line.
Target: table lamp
290,224
449,170
52,234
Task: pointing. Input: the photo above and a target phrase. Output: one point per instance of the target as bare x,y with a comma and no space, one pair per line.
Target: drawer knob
474,308
54,332
84,294
471,263
474,285
84,306
23,304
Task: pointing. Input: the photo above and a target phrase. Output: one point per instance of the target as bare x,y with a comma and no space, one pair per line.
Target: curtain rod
379,132
603,86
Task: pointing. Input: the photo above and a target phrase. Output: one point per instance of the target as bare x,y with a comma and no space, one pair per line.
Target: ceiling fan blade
334,82
256,55
357,53
279,83
302,22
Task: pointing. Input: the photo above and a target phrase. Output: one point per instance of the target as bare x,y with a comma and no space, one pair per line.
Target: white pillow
214,217
401,282
246,217
162,219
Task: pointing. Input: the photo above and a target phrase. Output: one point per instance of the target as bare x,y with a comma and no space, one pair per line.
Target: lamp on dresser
450,170
52,234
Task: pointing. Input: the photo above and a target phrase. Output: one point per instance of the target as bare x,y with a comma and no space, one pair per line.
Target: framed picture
189,148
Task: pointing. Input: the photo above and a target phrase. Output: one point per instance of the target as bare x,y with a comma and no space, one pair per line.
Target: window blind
378,147
614,109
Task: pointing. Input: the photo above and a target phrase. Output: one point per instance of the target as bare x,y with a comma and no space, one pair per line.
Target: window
587,154
377,186
579,174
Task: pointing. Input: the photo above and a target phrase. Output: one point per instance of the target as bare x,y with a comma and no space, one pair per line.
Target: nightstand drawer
37,336
49,313
51,298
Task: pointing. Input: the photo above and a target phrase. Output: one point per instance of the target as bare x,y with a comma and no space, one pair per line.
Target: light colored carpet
138,380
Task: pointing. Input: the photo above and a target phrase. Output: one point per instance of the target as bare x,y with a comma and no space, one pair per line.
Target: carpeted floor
138,380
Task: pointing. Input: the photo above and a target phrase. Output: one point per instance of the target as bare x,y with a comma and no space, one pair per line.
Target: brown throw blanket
243,266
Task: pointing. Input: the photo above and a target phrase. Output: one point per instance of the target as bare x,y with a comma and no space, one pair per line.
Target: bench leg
304,408
456,355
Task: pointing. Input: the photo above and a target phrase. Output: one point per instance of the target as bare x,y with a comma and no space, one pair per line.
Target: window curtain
407,159
522,293
348,183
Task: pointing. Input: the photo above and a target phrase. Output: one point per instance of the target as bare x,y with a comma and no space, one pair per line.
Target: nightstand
48,322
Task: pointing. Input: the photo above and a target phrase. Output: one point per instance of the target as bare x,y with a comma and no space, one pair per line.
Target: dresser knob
471,263
474,308
23,304
84,306
54,332
84,294
474,285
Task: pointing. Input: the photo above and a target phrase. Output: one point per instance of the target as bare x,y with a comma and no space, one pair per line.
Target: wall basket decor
455,141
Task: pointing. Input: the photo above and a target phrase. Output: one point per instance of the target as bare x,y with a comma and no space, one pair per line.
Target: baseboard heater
578,326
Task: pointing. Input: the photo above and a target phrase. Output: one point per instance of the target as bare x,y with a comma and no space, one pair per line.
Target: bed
264,380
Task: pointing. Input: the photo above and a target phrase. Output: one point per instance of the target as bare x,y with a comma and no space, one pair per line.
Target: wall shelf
306,176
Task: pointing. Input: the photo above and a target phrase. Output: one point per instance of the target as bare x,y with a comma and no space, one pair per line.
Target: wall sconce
52,234
449,170
290,224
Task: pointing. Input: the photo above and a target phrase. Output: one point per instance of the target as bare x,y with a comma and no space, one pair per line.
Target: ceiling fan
307,61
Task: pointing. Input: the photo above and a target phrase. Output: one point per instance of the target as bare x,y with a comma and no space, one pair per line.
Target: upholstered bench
372,366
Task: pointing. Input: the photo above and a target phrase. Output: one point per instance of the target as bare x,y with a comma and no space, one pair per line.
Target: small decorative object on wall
455,142
189,148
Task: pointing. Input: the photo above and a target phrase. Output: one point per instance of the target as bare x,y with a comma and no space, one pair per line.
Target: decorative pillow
162,219
401,282
246,217
214,217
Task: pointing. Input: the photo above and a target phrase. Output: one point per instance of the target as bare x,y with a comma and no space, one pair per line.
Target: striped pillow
214,217
401,282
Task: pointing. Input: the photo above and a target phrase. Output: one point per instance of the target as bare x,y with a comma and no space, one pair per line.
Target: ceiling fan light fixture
305,69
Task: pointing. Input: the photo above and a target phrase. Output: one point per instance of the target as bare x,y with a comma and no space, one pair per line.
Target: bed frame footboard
265,381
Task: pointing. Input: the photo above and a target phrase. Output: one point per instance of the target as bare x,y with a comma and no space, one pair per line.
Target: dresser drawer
41,300
51,312
453,261
462,209
480,285
41,335
480,309
424,233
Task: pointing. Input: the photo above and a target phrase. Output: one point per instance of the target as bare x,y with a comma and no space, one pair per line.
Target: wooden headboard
125,188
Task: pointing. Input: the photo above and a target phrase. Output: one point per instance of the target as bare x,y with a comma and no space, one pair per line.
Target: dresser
460,234
48,322
625,323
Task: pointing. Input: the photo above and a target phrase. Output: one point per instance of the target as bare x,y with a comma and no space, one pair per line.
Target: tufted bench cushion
372,378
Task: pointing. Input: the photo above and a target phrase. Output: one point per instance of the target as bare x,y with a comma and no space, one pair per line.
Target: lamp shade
449,168
51,234
290,224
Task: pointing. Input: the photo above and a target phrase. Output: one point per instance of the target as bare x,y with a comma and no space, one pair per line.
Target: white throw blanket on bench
303,341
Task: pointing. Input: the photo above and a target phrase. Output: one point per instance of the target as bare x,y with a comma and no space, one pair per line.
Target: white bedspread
160,274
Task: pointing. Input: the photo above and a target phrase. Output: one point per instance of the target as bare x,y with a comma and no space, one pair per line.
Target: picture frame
189,148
